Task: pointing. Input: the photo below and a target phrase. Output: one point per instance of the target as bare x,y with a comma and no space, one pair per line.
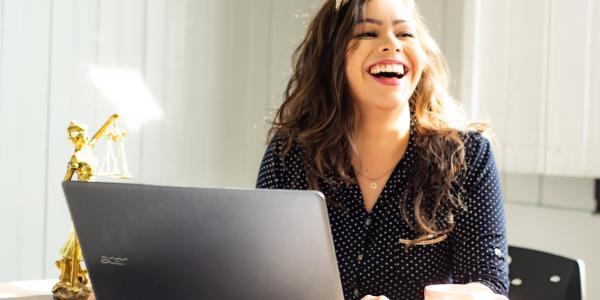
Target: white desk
27,290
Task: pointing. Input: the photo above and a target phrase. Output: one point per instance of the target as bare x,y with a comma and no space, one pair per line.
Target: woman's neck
387,130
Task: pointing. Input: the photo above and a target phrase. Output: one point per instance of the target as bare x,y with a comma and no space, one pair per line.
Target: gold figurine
74,280
83,163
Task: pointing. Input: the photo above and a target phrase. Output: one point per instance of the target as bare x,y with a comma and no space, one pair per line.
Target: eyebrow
378,22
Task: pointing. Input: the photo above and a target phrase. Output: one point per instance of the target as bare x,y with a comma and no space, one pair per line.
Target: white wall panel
452,42
72,97
23,122
285,27
568,87
152,156
449,29
255,91
493,68
226,64
434,12
230,92
524,104
165,143
592,139
121,28
535,68
288,26
179,128
467,49
8,134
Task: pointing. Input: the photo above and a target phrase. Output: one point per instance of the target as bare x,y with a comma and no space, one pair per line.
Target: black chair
540,275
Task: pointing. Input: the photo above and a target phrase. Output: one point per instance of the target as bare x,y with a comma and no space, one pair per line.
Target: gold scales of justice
74,283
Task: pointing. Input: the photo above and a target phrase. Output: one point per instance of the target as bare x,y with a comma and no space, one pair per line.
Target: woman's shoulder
476,141
287,150
479,156
284,145
282,166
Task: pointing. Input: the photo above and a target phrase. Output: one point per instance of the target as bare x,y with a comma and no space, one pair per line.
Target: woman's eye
366,34
406,34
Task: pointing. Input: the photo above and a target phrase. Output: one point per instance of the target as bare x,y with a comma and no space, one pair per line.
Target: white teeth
396,68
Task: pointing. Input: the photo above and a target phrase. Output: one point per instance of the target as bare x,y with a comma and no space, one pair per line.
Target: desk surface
27,290
42,297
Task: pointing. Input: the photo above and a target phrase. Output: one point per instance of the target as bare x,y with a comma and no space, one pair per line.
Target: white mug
459,292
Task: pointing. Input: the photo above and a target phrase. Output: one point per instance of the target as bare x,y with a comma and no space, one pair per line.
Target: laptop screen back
153,242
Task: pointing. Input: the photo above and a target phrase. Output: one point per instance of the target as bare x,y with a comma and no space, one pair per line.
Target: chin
398,100
392,104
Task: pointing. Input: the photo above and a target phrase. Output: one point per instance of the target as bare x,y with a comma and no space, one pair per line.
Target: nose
391,44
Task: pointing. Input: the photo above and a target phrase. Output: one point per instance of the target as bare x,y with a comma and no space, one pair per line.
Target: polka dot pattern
370,257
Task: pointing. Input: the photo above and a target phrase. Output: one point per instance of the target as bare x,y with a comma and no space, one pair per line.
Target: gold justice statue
73,280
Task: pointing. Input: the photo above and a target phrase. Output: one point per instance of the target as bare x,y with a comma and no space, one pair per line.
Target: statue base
64,291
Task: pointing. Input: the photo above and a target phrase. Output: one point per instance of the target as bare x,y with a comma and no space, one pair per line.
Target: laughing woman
411,184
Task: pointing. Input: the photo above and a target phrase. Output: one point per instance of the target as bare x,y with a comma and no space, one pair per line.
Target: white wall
214,68
23,139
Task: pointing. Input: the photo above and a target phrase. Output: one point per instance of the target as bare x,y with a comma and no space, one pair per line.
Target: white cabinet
592,164
569,83
537,74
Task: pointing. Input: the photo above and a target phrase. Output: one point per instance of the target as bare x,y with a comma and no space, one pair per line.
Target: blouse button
368,221
356,293
360,257
498,252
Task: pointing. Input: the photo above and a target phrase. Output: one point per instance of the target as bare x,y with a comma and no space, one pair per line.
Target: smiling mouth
384,71
389,75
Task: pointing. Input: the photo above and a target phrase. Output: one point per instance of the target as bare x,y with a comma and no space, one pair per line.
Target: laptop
158,242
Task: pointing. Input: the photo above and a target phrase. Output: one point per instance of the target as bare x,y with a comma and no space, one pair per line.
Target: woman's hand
92,297
369,297
481,285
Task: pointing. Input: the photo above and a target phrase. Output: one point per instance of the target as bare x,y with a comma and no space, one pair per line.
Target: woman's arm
479,238
271,167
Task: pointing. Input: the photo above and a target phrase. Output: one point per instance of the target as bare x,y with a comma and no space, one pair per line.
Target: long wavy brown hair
318,114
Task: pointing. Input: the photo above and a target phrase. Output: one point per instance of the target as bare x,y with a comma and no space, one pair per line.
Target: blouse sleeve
479,237
271,168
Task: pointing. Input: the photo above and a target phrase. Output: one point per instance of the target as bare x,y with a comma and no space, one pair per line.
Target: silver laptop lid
154,242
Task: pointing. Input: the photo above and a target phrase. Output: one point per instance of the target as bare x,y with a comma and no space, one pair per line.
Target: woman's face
385,59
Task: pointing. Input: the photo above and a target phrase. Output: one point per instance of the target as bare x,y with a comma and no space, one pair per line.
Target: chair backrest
540,275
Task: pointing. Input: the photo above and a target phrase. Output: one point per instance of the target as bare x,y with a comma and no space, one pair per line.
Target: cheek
418,60
421,57
353,69
355,60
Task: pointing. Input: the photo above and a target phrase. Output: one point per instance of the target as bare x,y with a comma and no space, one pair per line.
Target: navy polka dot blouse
371,258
